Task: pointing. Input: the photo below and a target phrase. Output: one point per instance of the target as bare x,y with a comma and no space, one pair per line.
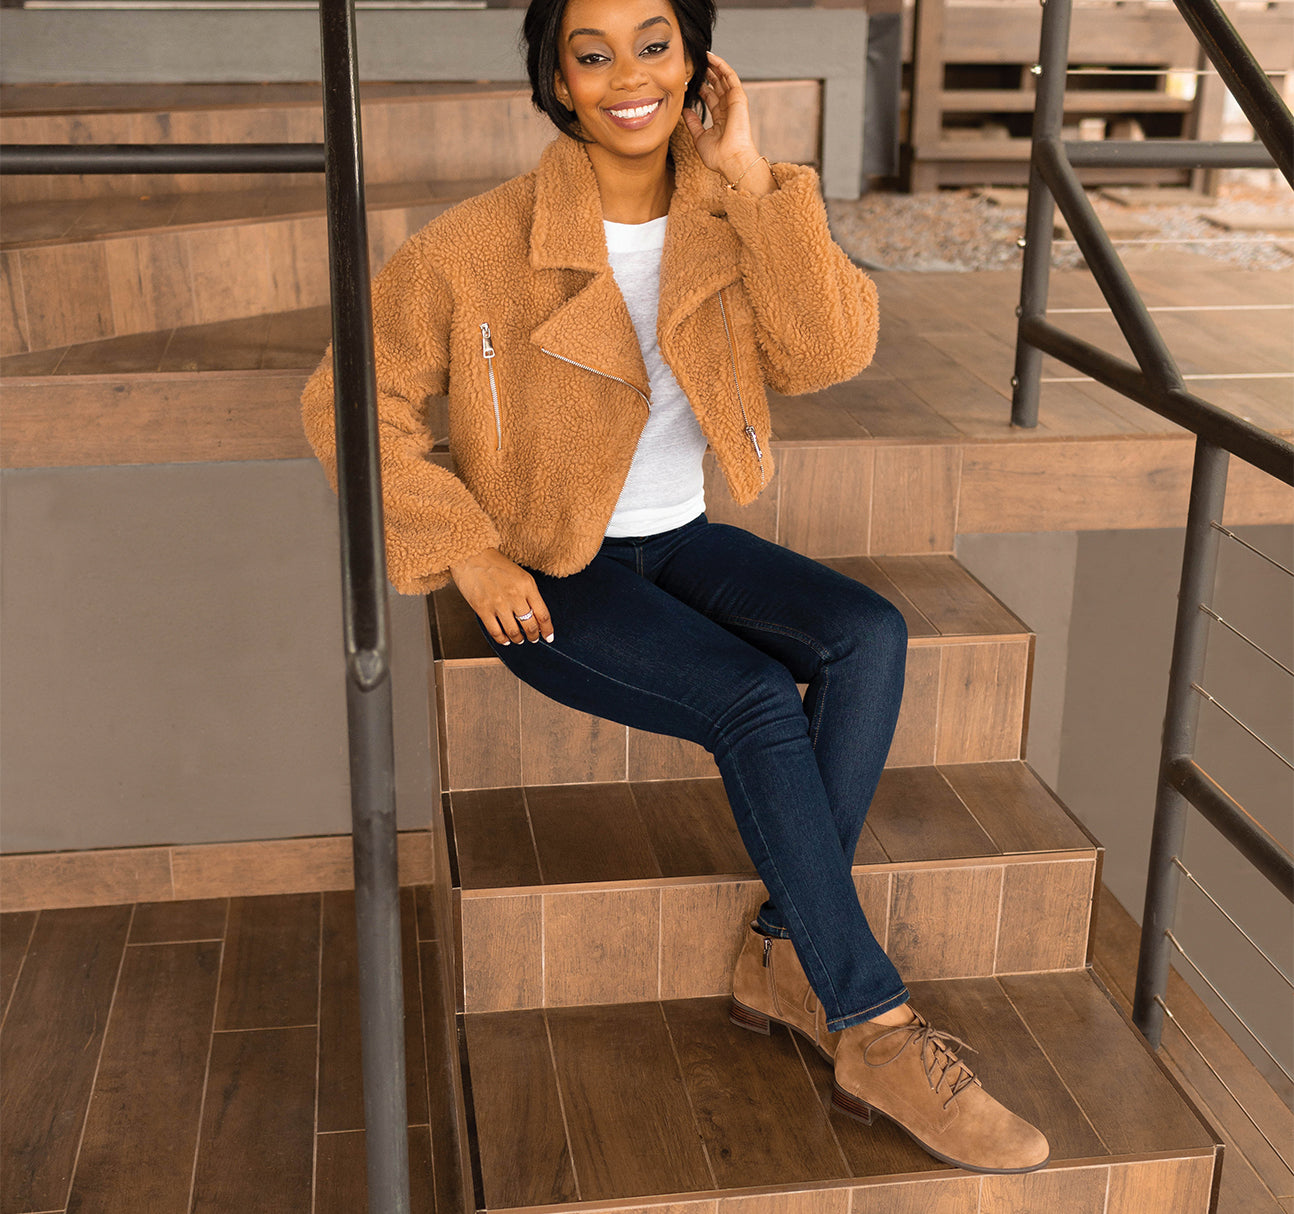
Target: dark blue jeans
703,633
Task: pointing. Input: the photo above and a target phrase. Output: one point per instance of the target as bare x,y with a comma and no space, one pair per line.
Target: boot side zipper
487,352
747,428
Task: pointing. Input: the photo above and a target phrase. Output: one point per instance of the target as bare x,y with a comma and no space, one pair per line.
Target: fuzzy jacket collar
701,255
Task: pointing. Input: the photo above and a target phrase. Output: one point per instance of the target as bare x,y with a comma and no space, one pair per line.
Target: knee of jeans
763,697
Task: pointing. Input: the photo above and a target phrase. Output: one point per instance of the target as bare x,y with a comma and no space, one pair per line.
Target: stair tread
664,831
60,222
939,600
668,1099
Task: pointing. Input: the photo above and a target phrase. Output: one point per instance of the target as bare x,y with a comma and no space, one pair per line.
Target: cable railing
363,558
1155,381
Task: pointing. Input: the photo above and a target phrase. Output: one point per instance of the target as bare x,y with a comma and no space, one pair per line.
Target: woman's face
624,70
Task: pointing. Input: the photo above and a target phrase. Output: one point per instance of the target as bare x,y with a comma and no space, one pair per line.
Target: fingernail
505,641
549,638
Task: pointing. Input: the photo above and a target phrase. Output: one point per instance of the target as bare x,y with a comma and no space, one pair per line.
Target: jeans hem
767,929
886,1005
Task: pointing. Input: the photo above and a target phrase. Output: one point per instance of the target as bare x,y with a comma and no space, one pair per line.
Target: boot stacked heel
851,1106
747,1018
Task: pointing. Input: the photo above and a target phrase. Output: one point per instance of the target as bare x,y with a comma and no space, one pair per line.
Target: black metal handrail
363,558
1155,382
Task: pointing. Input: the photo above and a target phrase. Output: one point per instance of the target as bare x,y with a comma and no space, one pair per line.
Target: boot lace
936,1055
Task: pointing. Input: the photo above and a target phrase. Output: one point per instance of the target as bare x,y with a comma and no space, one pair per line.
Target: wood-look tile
816,417
15,933
1009,1062
276,866
562,746
296,338
135,352
172,922
1080,1190
758,517
33,362
1046,909
960,1196
702,930
95,878
654,756
31,223
50,1047
482,726
914,499
341,1086
589,832
14,337
982,691
834,1200
826,500
943,923
916,731
270,975
886,407
221,345
503,953
255,1153
151,282
142,1127
492,839
341,1177
525,1159
631,1132
949,596
455,628
440,1032
219,295
864,569
869,849
915,815
754,1104
298,249
874,890
601,946
691,828
67,294
879,1149
1017,810
1163,1186
1074,1021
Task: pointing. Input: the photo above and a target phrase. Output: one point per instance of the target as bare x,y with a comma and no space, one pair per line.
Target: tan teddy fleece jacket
507,303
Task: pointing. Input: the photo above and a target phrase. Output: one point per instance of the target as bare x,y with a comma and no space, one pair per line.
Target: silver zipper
732,358
595,371
487,351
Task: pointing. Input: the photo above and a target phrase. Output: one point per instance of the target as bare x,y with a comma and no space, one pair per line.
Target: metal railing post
368,676
1053,61
1181,718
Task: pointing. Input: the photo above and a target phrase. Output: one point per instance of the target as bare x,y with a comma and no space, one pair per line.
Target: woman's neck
633,191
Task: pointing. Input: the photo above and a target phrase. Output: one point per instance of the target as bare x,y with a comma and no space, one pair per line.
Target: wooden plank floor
154,1060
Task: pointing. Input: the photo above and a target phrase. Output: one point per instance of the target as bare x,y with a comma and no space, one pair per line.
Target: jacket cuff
796,200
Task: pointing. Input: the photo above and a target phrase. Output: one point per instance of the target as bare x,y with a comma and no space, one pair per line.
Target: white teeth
639,112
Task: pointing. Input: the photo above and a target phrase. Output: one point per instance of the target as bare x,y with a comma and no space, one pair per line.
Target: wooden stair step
967,678
583,894
665,1106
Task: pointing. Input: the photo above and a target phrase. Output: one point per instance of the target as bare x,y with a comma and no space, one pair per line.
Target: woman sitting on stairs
596,324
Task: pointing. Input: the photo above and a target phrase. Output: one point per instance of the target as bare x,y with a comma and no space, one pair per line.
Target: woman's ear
563,93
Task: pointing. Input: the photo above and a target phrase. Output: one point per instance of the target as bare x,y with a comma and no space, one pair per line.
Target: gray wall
1103,605
171,659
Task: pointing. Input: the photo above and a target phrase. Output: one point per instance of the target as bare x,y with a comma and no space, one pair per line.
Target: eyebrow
603,33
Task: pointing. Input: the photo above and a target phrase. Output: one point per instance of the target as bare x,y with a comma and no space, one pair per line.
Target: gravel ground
977,230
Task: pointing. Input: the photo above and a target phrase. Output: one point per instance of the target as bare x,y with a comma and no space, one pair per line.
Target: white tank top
664,488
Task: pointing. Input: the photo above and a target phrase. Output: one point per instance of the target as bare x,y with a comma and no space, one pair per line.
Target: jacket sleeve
431,519
815,311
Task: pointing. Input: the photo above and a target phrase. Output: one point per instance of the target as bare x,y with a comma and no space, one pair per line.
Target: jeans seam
844,1022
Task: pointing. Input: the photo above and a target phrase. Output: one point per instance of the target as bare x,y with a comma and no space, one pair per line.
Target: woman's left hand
727,146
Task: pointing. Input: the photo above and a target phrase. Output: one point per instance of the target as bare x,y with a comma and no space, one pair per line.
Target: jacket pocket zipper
745,421
487,352
595,371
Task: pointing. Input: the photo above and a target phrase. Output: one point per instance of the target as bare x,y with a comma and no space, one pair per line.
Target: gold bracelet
732,185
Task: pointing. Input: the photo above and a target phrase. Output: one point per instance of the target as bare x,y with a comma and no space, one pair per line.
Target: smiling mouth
631,113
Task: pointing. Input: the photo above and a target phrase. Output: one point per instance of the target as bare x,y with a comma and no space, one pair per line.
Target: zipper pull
768,948
754,442
487,346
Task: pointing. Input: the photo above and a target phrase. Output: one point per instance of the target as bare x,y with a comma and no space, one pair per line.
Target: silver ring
521,619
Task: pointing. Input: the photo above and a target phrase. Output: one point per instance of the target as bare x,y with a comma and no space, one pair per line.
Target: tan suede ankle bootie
769,984
910,1074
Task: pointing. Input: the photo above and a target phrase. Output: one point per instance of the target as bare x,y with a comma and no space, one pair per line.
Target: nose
629,74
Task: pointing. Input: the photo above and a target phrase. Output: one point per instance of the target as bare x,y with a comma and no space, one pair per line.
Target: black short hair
541,31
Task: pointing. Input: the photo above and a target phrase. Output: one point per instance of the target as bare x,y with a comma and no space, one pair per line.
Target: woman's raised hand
504,596
727,146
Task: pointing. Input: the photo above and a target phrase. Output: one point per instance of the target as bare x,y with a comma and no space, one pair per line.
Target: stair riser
441,137
61,294
645,941
964,703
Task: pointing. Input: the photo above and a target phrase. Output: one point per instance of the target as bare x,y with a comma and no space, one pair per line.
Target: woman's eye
591,58
656,48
